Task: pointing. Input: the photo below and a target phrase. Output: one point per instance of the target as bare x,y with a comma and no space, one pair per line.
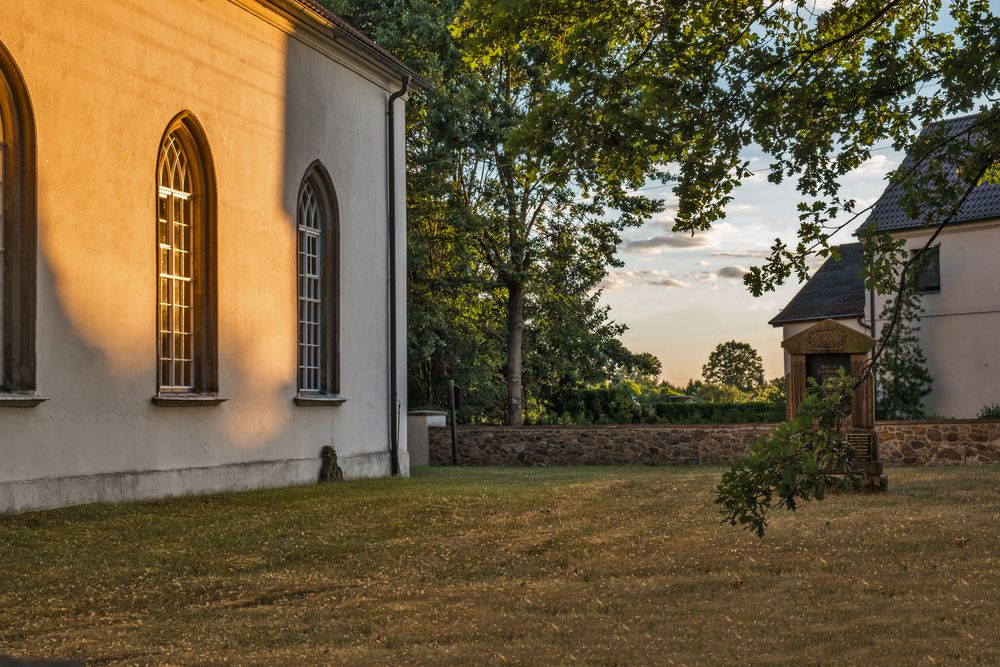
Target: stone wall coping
934,422
609,427
612,427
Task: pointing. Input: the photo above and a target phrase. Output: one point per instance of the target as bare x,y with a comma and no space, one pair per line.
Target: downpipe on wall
393,398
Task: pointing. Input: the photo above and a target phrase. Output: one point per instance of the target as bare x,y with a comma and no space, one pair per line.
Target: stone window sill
188,400
21,400
320,399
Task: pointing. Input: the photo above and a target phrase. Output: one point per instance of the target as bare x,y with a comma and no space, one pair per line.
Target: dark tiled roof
836,290
982,204
364,42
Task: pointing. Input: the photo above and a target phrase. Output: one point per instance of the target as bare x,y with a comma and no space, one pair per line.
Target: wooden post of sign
451,421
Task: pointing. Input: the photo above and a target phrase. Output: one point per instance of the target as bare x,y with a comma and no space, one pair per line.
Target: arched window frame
18,239
202,387
325,290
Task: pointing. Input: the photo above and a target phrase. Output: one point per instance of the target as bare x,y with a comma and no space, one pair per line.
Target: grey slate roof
982,204
837,290
367,46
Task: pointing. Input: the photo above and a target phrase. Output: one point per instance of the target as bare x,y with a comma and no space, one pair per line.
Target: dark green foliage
800,460
499,237
735,364
902,376
795,91
628,403
990,412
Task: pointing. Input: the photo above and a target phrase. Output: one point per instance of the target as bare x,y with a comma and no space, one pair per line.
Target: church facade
202,249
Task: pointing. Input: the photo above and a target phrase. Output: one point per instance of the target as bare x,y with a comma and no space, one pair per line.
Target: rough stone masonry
945,442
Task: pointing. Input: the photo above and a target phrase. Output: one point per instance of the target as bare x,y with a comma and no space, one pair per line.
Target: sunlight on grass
543,565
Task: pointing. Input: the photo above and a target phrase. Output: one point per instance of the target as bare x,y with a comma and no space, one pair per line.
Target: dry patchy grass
540,566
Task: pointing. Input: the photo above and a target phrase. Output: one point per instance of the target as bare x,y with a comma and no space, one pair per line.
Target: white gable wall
104,79
960,327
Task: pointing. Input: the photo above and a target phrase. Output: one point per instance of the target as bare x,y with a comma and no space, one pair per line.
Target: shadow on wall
335,137
97,268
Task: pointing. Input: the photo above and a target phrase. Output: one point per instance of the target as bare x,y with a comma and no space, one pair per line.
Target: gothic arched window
186,294
18,236
318,285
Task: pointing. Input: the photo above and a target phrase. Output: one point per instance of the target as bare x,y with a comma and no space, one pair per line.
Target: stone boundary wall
690,444
945,442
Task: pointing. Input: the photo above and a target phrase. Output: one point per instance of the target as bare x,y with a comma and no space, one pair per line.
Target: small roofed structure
820,353
836,291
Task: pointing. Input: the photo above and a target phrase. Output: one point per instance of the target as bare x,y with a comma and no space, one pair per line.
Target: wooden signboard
820,352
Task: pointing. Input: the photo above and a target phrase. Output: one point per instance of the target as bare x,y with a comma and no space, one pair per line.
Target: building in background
960,325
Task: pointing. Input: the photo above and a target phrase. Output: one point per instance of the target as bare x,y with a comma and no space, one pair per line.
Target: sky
680,296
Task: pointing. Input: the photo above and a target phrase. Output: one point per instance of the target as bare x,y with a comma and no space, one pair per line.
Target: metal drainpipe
391,166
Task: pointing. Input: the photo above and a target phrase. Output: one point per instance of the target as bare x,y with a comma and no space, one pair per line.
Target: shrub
756,412
990,411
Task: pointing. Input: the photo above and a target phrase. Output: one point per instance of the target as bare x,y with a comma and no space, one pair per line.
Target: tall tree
813,89
695,85
524,240
735,364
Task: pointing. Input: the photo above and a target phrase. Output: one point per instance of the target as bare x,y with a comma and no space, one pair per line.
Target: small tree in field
902,376
735,364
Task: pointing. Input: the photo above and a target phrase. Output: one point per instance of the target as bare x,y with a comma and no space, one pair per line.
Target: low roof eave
346,35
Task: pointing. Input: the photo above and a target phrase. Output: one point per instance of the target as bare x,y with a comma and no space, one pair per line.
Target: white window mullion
310,297
176,274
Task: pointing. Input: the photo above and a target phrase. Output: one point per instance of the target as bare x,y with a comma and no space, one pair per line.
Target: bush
990,411
756,412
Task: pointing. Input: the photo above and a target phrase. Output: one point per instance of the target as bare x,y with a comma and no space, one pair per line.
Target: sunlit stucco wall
104,80
960,325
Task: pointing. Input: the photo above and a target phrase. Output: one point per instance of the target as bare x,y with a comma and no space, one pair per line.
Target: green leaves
903,378
798,461
735,364
497,228
697,85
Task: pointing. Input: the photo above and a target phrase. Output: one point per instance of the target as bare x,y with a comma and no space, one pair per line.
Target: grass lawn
621,565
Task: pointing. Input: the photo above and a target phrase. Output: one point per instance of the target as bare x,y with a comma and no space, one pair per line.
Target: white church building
202,249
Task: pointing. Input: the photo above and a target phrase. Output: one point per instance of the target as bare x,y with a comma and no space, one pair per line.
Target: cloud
704,276
731,272
666,217
669,282
658,244
750,254
877,166
702,263
617,280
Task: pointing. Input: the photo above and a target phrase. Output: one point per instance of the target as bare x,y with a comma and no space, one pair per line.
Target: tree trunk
515,336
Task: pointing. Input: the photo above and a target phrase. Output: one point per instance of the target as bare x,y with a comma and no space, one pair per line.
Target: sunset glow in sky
681,295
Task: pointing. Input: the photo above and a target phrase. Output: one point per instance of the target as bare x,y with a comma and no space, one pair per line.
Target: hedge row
618,405
720,413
